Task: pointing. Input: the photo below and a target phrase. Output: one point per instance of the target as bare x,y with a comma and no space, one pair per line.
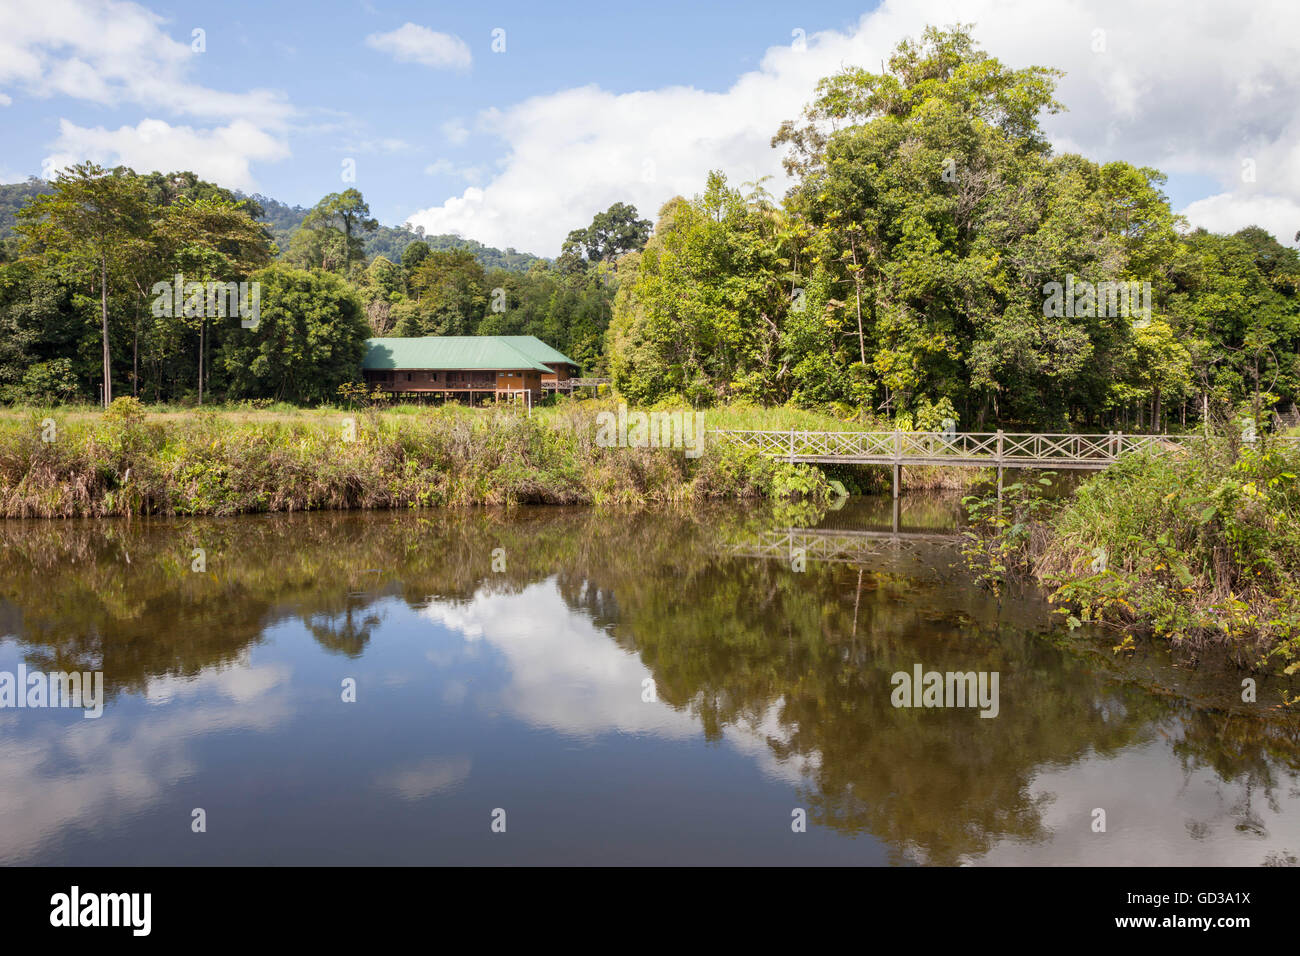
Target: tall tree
332,235
95,220
612,233
699,318
211,240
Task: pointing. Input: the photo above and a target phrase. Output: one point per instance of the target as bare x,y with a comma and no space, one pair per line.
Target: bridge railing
994,447
569,384
1085,448
946,444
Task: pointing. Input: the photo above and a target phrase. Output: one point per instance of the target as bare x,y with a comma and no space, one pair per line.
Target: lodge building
466,368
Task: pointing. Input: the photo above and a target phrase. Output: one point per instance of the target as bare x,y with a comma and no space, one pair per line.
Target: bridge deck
998,450
971,461
964,449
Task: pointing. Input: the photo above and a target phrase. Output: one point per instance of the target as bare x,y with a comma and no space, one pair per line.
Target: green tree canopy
310,338
94,224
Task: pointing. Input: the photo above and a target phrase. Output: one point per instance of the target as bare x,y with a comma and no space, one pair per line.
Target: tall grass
217,463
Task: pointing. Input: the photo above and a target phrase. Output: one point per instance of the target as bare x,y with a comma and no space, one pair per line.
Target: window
408,376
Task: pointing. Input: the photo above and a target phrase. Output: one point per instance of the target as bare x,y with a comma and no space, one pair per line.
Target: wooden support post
898,461
999,459
792,446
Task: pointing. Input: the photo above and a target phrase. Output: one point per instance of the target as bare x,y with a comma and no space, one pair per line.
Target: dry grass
231,461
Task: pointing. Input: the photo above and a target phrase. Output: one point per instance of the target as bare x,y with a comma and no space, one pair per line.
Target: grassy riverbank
127,462
278,457
1201,549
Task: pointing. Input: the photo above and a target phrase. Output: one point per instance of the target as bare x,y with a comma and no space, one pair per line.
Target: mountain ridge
281,219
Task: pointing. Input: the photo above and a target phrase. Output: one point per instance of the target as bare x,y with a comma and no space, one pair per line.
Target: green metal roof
536,349
454,352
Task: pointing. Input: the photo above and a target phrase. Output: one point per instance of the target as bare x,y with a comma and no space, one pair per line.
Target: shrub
1197,548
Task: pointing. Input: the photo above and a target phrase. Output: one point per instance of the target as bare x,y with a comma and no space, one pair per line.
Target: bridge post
898,461
999,464
792,446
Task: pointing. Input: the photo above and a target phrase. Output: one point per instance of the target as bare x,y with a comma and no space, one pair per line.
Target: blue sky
358,102
593,104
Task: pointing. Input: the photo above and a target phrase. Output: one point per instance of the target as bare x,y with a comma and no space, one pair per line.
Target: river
578,686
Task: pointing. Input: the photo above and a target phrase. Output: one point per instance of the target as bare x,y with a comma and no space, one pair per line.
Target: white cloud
60,776
574,153
114,53
424,778
1151,803
118,54
222,154
1187,87
455,131
546,645
240,681
411,43
1228,212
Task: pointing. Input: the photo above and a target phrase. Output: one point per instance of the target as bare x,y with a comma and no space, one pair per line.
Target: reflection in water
651,687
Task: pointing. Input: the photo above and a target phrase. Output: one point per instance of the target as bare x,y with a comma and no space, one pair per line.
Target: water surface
653,687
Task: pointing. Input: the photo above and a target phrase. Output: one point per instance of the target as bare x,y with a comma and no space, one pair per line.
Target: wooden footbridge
569,384
965,449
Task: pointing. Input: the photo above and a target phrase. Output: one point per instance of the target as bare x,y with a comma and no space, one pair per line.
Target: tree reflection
803,658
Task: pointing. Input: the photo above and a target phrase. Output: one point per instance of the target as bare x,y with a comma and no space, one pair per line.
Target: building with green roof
463,366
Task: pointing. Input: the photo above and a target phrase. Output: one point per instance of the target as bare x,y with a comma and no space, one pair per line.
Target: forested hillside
12,198
282,220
